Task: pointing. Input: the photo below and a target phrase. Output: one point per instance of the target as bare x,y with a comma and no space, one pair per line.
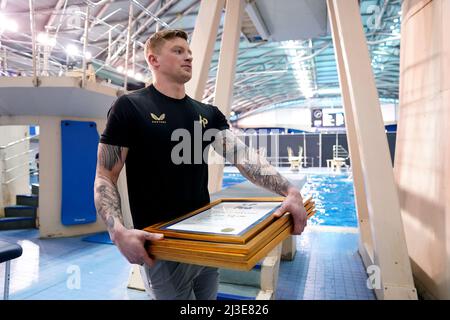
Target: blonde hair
156,40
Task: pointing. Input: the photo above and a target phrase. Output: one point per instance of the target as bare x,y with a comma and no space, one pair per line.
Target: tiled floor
67,268
326,266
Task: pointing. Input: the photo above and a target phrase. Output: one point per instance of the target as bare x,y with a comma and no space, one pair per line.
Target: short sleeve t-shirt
168,141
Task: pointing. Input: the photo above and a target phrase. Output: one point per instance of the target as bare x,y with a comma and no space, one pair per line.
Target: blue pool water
333,194
335,200
230,179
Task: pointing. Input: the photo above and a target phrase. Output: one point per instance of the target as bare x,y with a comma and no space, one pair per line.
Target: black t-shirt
158,129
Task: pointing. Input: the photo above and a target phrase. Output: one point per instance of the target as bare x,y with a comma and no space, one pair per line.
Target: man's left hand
294,204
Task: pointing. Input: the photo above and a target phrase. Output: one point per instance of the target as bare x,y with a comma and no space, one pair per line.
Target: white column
202,45
358,179
390,251
223,94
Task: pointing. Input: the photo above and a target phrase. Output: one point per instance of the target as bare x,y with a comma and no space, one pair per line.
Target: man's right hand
131,244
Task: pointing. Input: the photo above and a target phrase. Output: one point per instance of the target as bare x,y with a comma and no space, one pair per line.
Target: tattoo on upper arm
109,156
250,163
229,146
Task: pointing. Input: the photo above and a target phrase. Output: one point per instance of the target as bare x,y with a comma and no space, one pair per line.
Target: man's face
174,60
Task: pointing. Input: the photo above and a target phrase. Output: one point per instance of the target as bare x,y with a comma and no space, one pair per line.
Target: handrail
15,178
19,154
15,167
340,152
17,142
33,171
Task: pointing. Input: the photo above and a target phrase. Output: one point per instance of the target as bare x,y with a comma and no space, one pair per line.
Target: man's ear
153,60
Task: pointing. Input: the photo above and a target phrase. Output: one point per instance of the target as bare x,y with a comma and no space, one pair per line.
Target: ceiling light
12,26
7,24
72,50
301,66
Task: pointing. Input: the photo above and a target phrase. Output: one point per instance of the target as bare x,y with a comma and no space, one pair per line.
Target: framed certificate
232,220
232,232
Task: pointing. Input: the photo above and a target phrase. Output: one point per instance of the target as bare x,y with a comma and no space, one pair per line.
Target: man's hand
294,204
258,170
131,244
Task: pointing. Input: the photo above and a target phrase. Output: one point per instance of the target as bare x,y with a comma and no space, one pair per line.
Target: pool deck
327,265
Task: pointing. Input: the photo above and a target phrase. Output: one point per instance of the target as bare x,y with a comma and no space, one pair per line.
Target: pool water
333,194
230,179
335,200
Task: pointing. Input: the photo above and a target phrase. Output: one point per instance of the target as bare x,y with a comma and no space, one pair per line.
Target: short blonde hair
156,40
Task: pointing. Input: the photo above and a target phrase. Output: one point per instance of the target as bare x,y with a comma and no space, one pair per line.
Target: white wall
300,118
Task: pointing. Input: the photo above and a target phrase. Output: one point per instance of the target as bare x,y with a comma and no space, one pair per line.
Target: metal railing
33,171
6,169
340,152
20,154
17,142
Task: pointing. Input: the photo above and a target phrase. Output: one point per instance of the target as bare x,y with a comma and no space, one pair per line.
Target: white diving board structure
55,100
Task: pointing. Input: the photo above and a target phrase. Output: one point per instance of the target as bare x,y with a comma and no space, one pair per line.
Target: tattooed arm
258,170
107,202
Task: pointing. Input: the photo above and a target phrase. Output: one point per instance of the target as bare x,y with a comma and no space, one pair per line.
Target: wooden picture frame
241,251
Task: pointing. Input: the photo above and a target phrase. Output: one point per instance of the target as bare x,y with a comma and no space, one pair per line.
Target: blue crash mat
79,143
102,237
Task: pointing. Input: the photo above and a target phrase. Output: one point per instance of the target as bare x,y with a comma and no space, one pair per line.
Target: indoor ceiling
286,51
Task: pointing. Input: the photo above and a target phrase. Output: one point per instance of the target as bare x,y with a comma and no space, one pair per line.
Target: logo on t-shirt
157,119
203,121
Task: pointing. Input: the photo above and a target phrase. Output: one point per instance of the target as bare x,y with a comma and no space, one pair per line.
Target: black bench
8,251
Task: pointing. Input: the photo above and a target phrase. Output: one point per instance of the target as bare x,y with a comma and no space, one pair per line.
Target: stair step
20,211
227,291
27,200
246,278
35,188
12,223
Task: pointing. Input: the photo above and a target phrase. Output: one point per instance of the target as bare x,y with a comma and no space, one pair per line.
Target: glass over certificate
226,218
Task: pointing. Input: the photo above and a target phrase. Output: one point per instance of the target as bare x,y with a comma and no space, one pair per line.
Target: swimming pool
230,179
333,194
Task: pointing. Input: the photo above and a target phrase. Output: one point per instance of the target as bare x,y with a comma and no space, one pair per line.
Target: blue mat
229,296
102,237
79,143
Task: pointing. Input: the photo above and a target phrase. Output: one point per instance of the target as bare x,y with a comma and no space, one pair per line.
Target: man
139,132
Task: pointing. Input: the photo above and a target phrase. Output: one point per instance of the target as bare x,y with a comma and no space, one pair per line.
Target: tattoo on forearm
109,155
263,174
107,201
252,165
110,222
